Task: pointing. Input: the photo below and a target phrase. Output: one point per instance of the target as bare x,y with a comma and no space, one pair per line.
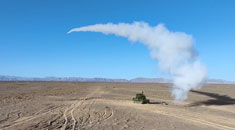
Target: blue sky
34,40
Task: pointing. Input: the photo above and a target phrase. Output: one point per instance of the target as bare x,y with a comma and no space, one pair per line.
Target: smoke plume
174,52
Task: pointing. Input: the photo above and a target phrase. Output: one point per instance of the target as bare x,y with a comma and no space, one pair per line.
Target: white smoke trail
173,50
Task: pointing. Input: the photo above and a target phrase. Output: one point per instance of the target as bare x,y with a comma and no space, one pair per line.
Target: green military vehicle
141,98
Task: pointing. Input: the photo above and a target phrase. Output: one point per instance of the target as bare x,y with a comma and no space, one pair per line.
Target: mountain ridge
82,79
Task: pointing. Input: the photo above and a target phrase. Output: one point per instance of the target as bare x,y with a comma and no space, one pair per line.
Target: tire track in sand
204,122
69,112
166,112
21,120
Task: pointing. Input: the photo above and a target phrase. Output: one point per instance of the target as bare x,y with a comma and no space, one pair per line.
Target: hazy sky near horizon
34,40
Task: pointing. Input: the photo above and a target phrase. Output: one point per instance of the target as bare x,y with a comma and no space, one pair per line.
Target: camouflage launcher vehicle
141,98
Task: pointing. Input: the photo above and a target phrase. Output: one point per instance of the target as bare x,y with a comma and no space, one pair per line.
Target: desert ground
107,106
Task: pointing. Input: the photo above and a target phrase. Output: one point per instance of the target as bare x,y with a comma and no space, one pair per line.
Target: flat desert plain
107,106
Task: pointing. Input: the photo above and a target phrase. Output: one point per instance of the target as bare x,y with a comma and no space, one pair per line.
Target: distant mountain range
80,79
150,80
219,81
75,79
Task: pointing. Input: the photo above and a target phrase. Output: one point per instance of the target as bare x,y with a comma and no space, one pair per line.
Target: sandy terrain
56,105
